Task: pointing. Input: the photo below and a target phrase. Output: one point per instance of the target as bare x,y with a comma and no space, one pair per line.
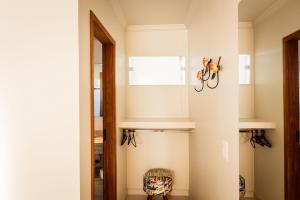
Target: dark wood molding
98,31
291,116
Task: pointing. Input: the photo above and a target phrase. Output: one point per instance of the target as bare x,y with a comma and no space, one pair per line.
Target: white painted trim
175,192
245,25
270,11
160,27
119,13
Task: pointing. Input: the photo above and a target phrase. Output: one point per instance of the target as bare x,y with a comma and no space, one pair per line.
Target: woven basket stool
158,182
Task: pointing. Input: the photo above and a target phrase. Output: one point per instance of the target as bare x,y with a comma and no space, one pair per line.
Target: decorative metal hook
208,73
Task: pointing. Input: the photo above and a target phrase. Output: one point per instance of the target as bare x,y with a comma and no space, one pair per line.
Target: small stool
158,182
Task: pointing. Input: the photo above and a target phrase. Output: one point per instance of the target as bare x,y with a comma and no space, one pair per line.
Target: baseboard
175,192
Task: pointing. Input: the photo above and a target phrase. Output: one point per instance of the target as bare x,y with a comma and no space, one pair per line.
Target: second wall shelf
248,124
157,124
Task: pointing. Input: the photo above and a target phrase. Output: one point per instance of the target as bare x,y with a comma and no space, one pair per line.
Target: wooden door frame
98,31
291,99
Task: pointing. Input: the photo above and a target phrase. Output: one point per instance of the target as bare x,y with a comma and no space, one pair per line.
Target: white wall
39,100
214,146
156,101
246,108
159,150
269,163
246,92
104,12
165,150
247,163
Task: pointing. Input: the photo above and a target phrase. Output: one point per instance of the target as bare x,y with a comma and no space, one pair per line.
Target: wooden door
98,31
291,116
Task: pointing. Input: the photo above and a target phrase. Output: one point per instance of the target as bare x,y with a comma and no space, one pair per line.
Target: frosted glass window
244,69
157,70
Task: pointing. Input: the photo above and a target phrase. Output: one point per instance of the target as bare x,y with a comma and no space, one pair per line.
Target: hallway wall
246,107
162,101
269,163
105,14
158,150
246,91
214,146
39,100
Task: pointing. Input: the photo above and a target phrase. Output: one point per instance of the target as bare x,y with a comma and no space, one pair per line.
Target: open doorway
291,115
103,112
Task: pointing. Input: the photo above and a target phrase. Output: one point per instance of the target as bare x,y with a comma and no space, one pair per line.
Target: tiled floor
142,197
98,189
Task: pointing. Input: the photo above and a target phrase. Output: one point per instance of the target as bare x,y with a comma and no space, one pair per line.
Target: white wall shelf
186,124
248,124
157,124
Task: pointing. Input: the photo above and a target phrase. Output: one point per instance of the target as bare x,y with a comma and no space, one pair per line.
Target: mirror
98,121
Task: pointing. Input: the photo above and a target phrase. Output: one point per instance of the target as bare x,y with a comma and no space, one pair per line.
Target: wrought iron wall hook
202,87
212,70
213,87
207,70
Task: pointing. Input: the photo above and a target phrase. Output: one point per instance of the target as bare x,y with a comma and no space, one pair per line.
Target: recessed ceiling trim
245,25
160,27
270,11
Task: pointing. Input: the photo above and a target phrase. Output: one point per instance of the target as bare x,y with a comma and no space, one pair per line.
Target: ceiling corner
118,11
191,12
270,10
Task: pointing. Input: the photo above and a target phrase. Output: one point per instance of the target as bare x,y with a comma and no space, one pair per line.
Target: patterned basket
158,182
242,187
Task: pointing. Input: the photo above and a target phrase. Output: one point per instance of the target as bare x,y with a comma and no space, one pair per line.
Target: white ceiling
149,12
249,10
154,12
